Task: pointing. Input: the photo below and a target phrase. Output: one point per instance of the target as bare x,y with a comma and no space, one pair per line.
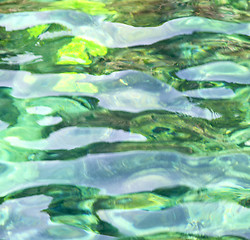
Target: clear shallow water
124,120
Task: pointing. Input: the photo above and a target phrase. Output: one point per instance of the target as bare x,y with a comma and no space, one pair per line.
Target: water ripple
114,190
117,35
217,71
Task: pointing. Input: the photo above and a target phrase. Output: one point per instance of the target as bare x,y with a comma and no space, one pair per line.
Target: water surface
124,120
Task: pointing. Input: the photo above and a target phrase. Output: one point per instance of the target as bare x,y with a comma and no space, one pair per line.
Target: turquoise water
124,120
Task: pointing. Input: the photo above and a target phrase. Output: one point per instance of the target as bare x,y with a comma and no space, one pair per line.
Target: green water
124,120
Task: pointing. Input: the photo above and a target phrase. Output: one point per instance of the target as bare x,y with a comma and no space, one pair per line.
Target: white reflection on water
39,110
22,58
24,217
122,173
140,93
3,125
217,71
126,172
211,93
117,35
48,121
74,137
195,218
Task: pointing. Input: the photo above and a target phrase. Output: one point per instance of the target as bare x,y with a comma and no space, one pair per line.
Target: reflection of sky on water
130,91
30,222
211,93
194,218
117,35
22,58
121,173
3,125
74,137
217,71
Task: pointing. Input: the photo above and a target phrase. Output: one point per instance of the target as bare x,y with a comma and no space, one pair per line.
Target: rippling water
124,120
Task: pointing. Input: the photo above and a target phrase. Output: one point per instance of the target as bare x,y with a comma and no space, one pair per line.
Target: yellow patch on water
79,51
37,30
90,7
70,85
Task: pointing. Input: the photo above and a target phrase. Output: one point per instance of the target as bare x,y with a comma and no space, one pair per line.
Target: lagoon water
124,120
